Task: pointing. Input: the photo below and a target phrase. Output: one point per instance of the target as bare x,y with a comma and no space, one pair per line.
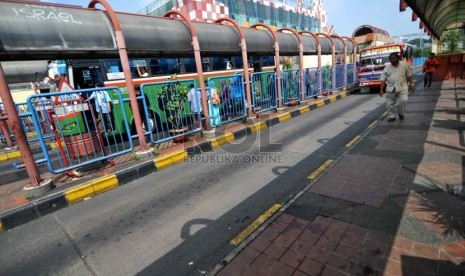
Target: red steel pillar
121,44
345,61
333,54
21,139
198,63
245,61
277,62
354,55
320,80
301,59
5,132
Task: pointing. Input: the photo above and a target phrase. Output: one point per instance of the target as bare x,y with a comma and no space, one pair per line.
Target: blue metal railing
327,78
290,84
311,82
174,107
340,72
230,91
264,91
87,126
350,73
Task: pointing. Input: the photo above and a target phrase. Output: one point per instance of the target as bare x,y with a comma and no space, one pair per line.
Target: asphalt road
180,221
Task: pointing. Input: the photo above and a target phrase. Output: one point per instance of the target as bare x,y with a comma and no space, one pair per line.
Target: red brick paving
327,246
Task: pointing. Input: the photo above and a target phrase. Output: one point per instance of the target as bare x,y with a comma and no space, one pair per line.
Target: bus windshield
374,63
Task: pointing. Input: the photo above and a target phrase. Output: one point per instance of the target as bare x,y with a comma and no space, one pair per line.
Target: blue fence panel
350,74
340,73
311,82
419,61
290,84
174,106
230,103
327,78
87,126
264,91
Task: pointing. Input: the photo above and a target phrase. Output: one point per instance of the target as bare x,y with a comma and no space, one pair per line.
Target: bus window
189,65
155,67
113,70
237,62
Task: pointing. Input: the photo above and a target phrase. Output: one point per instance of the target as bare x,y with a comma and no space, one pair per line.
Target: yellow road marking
314,174
1,228
352,142
372,125
255,224
284,117
320,104
343,94
332,99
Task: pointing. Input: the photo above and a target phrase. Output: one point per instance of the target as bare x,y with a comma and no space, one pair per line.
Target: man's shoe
401,117
391,119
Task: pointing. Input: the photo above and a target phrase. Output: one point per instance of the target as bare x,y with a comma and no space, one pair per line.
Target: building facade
297,14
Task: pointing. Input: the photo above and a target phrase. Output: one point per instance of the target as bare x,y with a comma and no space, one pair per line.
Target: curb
17,154
49,204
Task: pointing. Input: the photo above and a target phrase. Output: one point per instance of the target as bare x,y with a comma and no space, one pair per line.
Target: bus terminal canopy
436,15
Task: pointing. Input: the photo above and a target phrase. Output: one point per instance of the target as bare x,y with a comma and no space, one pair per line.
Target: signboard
115,76
380,51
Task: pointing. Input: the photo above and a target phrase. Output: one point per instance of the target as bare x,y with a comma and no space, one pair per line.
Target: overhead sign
380,51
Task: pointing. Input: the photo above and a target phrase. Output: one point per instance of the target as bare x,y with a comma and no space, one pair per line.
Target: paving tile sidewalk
391,205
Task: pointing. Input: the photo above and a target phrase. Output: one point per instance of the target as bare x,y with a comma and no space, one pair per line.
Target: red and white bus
374,59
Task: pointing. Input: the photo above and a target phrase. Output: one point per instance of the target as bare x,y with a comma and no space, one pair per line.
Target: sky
345,15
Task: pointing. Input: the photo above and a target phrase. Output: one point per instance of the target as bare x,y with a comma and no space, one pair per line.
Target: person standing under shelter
398,79
103,107
429,67
193,96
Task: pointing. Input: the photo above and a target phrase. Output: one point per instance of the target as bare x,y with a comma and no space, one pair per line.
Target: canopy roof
436,15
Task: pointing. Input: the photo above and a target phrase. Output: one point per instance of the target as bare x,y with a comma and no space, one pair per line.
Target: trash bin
78,141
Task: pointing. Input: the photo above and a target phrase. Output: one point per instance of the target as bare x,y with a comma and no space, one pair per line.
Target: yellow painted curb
257,127
372,125
170,159
344,95
31,134
223,139
3,157
14,154
284,117
91,189
77,194
320,169
1,228
352,142
332,99
255,224
304,109
105,183
320,104
179,157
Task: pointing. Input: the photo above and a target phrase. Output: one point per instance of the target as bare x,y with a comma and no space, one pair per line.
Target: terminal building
306,15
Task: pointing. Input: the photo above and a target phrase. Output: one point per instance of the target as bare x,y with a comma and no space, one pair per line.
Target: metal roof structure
436,15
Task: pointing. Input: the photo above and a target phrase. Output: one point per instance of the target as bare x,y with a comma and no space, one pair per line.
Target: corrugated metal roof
436,15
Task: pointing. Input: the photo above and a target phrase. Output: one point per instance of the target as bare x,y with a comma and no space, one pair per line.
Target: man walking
429,67
397,76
